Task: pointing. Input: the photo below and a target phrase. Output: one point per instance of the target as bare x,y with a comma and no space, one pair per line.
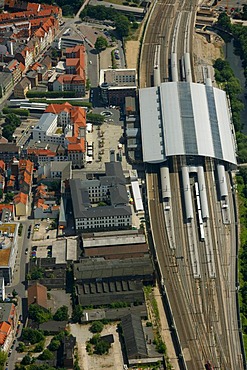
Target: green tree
96,327
9,197
39,347
54,345
3,358
21,347
100,44
35,274
122,26
224,21
61,314
77,313
27,360
39,314
14,293
102,347
12,120
32,335
46,355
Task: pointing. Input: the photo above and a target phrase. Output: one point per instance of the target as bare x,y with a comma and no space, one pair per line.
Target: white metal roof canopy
181,118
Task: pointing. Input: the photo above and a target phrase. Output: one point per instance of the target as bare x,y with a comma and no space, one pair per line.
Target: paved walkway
165,331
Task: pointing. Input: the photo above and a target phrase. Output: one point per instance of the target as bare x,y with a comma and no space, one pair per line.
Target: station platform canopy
184,118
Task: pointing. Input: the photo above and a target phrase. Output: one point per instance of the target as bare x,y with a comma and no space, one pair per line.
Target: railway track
203,308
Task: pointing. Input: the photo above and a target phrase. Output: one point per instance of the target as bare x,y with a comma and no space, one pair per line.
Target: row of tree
240,42
225,77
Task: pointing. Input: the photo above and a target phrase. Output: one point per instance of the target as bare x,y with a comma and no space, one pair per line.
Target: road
18,282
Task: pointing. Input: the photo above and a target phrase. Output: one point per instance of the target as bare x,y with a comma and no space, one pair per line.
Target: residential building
33,78
2,289
66,125
8,250
6,83
21,204
76,151
16,69
25,175
37,294
56,170
45,203
116,84
9,151
21,89
8,320
75,78
6,212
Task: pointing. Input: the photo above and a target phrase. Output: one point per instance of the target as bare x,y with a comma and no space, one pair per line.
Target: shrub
96,327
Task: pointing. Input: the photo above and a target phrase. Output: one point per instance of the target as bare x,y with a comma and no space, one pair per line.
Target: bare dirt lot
112,361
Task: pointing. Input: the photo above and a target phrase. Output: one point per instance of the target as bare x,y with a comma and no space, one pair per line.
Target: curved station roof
183,118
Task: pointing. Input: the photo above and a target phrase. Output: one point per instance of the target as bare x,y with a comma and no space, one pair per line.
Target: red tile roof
37,294
21,198
79,146
5,329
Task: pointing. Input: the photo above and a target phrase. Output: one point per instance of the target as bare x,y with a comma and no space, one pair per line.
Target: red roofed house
45,203
8,320
75,77
37,294
2,176
21,204
25,176
76,151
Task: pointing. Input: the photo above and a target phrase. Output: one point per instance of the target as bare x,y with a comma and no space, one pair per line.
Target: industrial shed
134,339
185,118
101,282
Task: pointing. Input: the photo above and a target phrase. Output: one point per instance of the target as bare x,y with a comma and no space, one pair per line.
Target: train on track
199,210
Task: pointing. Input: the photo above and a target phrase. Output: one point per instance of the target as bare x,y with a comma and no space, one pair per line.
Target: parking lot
104,138
42,232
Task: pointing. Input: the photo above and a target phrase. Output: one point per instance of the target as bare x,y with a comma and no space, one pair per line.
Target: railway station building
186,119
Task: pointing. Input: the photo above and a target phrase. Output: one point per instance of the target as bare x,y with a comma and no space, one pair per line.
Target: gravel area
112,361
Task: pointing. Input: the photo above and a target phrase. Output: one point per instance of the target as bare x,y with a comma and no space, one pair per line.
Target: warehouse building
102,282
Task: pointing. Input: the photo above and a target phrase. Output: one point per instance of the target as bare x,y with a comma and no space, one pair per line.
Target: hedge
51,94
17,111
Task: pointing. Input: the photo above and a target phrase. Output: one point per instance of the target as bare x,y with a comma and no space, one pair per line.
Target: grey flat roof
183,118
113,240
45,121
